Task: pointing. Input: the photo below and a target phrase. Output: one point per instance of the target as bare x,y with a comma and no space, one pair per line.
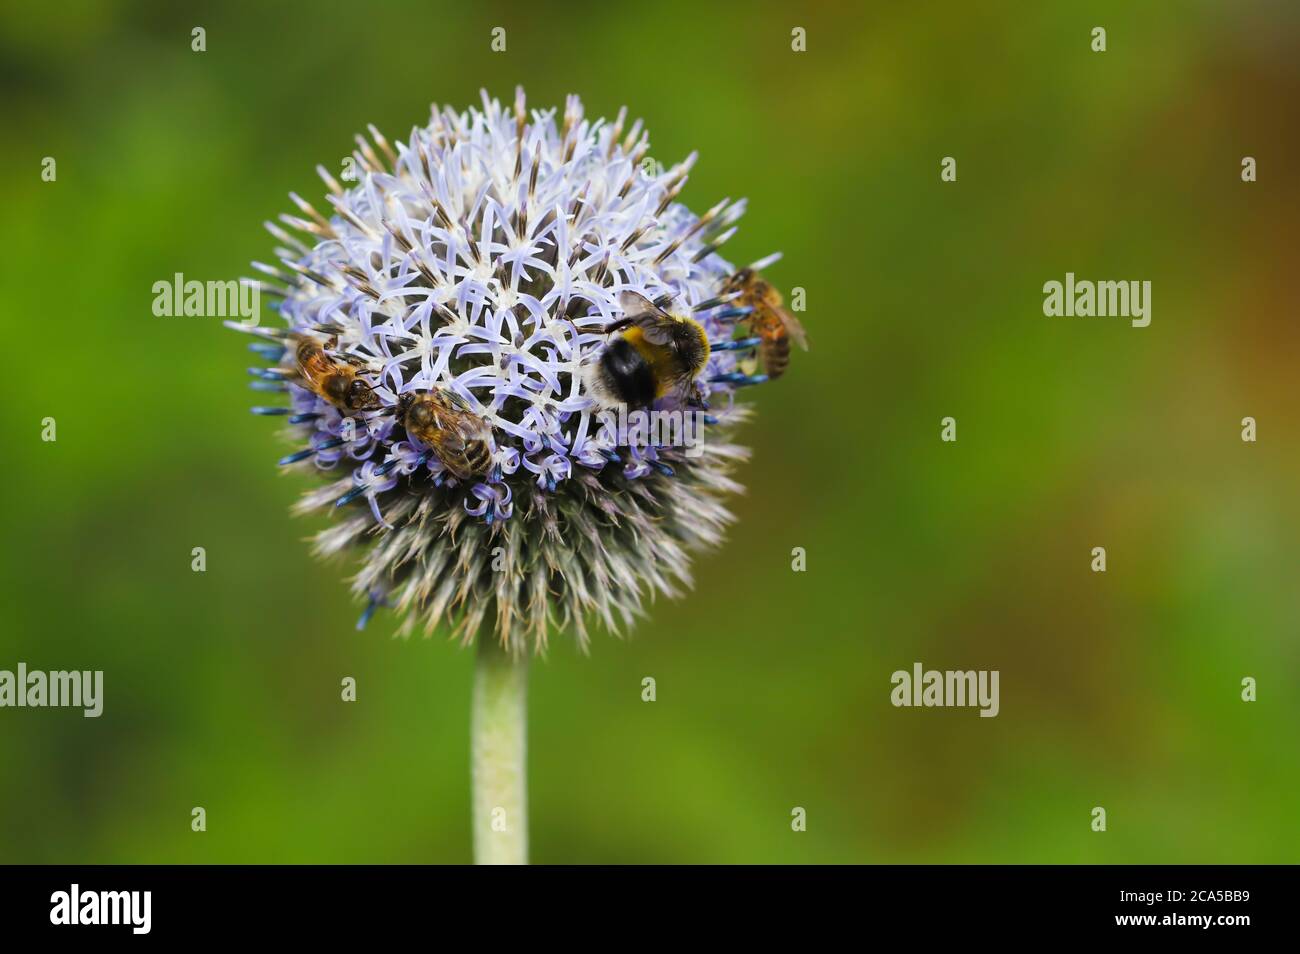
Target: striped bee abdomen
626,374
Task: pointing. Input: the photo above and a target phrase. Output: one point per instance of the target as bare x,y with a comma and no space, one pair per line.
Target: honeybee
334,378
769,320
655,354
442,420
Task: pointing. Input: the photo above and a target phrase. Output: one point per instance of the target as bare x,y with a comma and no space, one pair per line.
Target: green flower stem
499,756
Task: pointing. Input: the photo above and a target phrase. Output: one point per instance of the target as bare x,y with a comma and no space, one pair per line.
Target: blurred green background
924,300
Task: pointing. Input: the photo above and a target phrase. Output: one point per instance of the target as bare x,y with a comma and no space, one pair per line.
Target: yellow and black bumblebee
656,354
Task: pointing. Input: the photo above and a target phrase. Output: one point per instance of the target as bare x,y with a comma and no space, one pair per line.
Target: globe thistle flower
482,261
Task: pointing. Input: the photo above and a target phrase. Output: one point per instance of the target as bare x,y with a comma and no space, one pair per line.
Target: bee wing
793,328
457,427
449,445
655,323
471,427
635,305
454,400
658,330
683,387
448,441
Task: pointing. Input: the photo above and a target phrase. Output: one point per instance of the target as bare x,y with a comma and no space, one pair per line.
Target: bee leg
619,325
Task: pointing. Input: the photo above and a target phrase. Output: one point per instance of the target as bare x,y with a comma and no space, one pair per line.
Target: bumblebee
656,354
441,420
769,320
335,378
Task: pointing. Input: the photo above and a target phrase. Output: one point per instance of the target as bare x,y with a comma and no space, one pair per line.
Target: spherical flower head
481,261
